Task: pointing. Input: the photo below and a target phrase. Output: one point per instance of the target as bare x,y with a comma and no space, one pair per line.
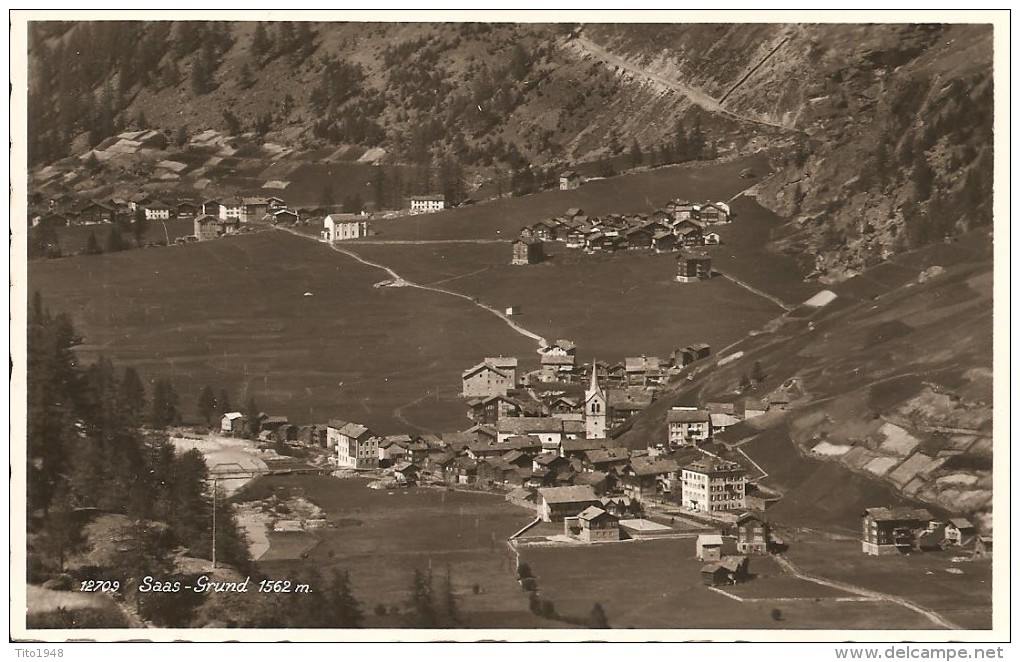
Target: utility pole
215,489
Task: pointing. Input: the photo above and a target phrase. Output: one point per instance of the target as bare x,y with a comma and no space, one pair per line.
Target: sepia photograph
593,326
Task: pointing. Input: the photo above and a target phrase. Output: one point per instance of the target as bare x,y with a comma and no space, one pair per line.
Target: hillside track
400,281
699,98
933,616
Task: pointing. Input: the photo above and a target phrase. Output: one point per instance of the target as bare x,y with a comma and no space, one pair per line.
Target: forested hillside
881,135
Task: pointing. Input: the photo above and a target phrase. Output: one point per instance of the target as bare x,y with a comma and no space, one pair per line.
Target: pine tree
346,609
92,245
423,609
923,177
223,402
245,79
637,157
597,618
164,405
206,404
745,382
260,44
251,412
114,241
131,395
182,136
139,226
757,374
450,611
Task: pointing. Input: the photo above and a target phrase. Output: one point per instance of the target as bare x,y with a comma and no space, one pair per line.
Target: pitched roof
233,415
336,423
723,420
732,563
522,442
484,365
898,514
590,478
354,430
575,445
592,513
713,466
547,458
513,455
570,494
641,363
688,416
529,424
961,523
644,466
710,540
603,455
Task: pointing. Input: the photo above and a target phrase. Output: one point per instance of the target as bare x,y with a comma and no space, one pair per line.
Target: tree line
95,444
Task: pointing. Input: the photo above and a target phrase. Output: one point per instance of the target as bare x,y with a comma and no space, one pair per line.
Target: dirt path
588,47
755,290
400,281
422,242
933,616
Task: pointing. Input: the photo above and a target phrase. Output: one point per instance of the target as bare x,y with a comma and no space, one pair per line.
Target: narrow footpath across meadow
400,281
933,616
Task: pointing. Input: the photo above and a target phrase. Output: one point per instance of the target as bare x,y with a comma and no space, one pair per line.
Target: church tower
594,408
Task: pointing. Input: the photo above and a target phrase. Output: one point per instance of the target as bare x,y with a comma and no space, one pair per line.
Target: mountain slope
892,380
880,135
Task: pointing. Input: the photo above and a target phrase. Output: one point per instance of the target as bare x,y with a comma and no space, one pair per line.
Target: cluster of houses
680,224
890,531
558,365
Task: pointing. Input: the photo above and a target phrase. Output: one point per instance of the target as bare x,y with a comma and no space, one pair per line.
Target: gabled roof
337,424
642,363
590,478
898,514
592,513
604,455
522,442
570,494
713,466
961,523
577,445
644,466
732,563
710,540
354,430
688,416
528,425
513,455
546,458
751,515
484,365
233,415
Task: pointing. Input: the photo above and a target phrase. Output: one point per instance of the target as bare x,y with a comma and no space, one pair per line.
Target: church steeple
595,414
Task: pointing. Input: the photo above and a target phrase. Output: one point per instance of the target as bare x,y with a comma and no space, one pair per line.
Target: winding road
400,281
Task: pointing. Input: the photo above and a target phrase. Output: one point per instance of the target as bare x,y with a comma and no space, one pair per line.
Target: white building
157,211
688,426
233,211
341,227
427,203
356,446
231,422
711,484
595,413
